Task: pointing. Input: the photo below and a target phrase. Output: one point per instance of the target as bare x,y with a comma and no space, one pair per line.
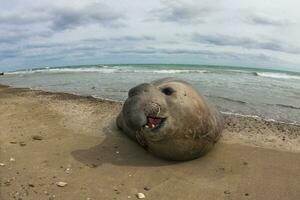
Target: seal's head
171,119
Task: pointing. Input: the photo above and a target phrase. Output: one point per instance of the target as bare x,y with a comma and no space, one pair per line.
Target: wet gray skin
170,118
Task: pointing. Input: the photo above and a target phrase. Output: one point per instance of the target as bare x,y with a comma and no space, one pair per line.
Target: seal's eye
168,91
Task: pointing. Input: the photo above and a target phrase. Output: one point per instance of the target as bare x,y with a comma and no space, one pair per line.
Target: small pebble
2,164
30,185
222,168
37,137
68,170
7,183
52,197
226,192
22,144
12,159
146,188
61,184
140,195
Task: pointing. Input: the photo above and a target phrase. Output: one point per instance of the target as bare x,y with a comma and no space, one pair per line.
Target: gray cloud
64,32
121,39
20,18
86,50
68,18
43,45
182,12
267,21
7,54
18,27
245,42
151,50
45,57
134,38
90,44
14,35
62,18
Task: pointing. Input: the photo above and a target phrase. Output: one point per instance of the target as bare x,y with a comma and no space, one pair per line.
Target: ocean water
269,94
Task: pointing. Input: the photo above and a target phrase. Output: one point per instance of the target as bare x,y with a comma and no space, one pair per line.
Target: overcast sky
253,33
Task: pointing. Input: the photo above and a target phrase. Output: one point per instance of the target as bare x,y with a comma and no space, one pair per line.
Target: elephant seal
170,118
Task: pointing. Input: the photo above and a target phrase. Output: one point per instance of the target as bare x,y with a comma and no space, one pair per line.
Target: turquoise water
270,94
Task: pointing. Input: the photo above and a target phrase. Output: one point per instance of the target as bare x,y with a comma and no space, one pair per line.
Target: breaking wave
287,106
64,70
244,102
260,118
106,69
276,75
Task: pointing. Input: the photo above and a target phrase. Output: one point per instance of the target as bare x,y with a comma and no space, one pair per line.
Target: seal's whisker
157,114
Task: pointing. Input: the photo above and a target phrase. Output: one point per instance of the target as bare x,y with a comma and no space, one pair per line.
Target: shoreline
47,138
224,113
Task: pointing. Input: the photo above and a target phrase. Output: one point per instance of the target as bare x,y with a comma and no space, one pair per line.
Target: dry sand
46,138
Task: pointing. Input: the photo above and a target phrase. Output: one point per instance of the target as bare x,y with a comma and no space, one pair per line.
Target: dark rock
37,137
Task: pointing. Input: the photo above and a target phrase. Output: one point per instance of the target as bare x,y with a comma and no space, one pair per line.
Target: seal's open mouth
154,122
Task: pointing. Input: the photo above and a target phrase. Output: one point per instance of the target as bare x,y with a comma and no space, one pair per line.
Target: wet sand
47,137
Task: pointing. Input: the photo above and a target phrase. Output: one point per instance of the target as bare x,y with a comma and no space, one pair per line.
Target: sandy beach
47,138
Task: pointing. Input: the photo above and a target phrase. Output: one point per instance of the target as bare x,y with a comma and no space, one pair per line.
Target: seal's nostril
152,109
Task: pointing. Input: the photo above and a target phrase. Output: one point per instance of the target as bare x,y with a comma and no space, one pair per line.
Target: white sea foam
258,117
66,70
240,115
163,71
106,99
277,75
174,71
106,69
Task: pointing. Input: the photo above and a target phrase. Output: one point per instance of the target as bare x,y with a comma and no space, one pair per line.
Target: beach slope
47,138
